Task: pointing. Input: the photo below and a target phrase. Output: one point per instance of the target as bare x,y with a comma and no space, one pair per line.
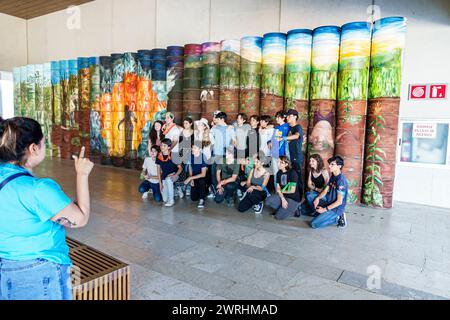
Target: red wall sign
428,91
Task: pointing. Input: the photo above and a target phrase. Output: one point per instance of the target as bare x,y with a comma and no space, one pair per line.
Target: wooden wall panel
28,9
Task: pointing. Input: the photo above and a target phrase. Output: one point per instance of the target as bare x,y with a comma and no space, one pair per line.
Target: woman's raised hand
83,166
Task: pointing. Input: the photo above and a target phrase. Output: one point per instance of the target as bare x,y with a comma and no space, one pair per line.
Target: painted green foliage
324,84
297,85
375,156
386,75
273,81
349,117
353,83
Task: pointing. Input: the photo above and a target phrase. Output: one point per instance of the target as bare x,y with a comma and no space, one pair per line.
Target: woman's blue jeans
147,185
37,279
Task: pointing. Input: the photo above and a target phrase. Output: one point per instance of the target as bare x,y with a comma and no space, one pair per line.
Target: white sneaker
201,204
145,195
180,193
188,191
169,204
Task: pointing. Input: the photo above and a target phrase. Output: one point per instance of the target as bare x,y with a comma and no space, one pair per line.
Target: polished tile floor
218,253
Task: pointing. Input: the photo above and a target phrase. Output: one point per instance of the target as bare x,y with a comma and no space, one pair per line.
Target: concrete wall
127,25
13,42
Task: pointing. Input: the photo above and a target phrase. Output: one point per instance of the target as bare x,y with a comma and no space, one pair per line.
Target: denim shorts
37,279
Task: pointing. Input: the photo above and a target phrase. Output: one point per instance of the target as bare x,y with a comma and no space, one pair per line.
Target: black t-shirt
295,147
167,166
289,177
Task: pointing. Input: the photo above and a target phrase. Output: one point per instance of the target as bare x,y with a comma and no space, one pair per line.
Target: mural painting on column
84,98
250,75
39,95
106,115
230,66
131,121
94,102
210,83
23,91
56,109
74,108
273,73
48,110
323,92
17,98
175,69
65,115
161,85
192,105
118,111
298,78
30,107
388,44
353,87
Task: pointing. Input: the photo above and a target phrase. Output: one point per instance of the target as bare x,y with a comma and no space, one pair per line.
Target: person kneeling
227,178
197,176
150,174
257,188
286,201
168,173
331,202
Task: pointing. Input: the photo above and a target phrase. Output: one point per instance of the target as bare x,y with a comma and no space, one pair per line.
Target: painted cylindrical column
39,94
388,44
56,109
175,69
47,100
23,90
118,111
298,77
159,83
131,120
273,73
74,108
30,110
17,99
94,101
230,66
323,92
106,108
250,75
192,106
84,95
353,87
65,113
210,79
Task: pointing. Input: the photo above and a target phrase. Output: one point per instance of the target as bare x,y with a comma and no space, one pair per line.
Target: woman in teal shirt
34,256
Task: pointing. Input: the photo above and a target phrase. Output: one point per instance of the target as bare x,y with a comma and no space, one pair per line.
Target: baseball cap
202,121
292,112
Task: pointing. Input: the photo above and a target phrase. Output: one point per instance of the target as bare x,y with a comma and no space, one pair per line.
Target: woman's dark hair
167,142
16,135
338,159
320,163
157,148
266,118
287,161
188,119
154,135
243,116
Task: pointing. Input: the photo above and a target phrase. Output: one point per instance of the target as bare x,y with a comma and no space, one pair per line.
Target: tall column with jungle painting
251,66
388,43
353,87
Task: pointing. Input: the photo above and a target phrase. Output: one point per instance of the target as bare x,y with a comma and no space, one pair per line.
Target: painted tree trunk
94,102
175,69
160,86
273,73
322,113
106,108
17,97
118,111
56,109
298,76
74,108
353,87
84,95
250,74
23,90
47,101
192,105
210,84
230,65
131,120
388,43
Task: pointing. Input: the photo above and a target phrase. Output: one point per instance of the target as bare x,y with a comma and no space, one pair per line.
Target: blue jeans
308,205
147,185
326,219
37,279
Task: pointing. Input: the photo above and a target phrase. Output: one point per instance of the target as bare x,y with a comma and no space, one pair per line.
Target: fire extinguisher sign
435,91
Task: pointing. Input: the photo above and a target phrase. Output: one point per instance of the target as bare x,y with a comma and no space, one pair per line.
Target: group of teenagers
251,160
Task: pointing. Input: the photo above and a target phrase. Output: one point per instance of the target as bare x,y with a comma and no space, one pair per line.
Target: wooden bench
97,276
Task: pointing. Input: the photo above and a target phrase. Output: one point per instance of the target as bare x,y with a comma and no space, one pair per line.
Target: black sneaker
342,222
259,208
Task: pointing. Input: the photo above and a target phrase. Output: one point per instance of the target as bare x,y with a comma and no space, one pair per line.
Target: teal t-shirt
27,205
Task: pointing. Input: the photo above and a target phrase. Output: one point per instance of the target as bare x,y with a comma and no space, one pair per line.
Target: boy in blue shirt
331,202
278,144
